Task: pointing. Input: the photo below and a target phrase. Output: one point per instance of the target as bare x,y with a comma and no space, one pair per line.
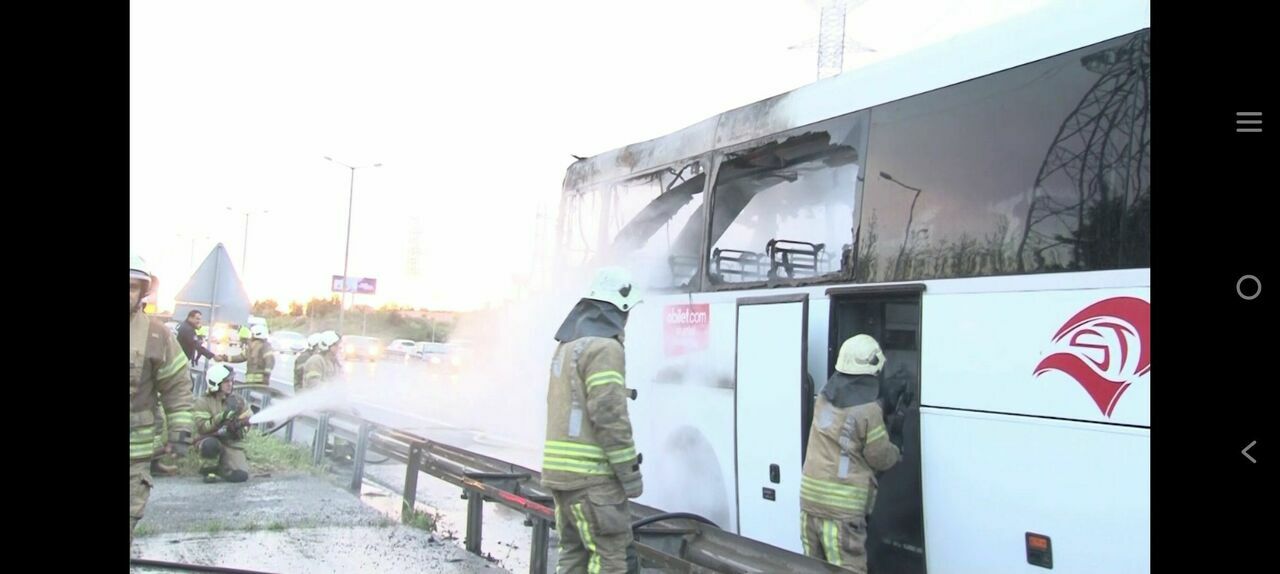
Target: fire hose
671,516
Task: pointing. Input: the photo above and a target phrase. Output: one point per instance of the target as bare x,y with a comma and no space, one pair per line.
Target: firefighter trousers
840,542
594,525
139,491
226,458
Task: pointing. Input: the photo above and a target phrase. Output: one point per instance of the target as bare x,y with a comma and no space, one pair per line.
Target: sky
474,110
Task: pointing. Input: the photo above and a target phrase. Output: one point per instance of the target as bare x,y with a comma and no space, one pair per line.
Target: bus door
769,408
891,314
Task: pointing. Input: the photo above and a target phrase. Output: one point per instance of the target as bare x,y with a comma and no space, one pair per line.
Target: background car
425,351
290,342
403,347
442,355
361,348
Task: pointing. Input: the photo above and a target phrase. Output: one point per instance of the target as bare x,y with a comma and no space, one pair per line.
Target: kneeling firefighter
222,419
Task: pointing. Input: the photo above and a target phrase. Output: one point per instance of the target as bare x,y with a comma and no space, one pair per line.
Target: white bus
980,207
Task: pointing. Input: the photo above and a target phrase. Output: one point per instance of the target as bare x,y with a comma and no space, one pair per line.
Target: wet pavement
289,522
390,550
409,396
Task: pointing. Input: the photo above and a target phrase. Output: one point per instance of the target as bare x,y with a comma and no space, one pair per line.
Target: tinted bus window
1041,168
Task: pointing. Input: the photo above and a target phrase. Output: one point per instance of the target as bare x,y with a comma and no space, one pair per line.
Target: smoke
503,385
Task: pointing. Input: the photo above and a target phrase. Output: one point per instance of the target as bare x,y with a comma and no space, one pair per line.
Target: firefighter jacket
847,446
157,372
209,416
319,368
260,362
299,362
588,431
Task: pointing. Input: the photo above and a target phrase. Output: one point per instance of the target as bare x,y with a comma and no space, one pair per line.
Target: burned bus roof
1037,35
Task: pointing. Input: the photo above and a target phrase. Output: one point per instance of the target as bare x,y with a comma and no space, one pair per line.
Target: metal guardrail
672,542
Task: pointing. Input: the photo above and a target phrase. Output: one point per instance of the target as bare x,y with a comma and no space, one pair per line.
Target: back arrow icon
1245,452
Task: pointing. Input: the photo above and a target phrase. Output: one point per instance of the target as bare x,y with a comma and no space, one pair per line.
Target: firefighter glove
632,481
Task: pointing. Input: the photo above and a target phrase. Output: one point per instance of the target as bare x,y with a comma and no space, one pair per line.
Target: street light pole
244,253
346,254
191,255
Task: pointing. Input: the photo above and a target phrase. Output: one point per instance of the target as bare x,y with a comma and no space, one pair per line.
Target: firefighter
322,365
848,445
590,462
157,373
301,360
222,420
258,356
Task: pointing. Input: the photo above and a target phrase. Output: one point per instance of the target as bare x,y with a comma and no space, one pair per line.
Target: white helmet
217,374
613,285
258,331
138,269
326,340
860,355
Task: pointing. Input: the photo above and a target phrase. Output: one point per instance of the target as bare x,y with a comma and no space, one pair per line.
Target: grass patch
280,526
428,521
212,527
271,454
266,453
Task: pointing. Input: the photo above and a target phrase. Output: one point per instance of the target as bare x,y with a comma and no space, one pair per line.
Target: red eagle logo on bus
1105,347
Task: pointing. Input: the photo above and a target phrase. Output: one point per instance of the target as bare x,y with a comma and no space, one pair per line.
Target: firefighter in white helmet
322,365
157,374
257,355
313,340
222,419
848,445
589,460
